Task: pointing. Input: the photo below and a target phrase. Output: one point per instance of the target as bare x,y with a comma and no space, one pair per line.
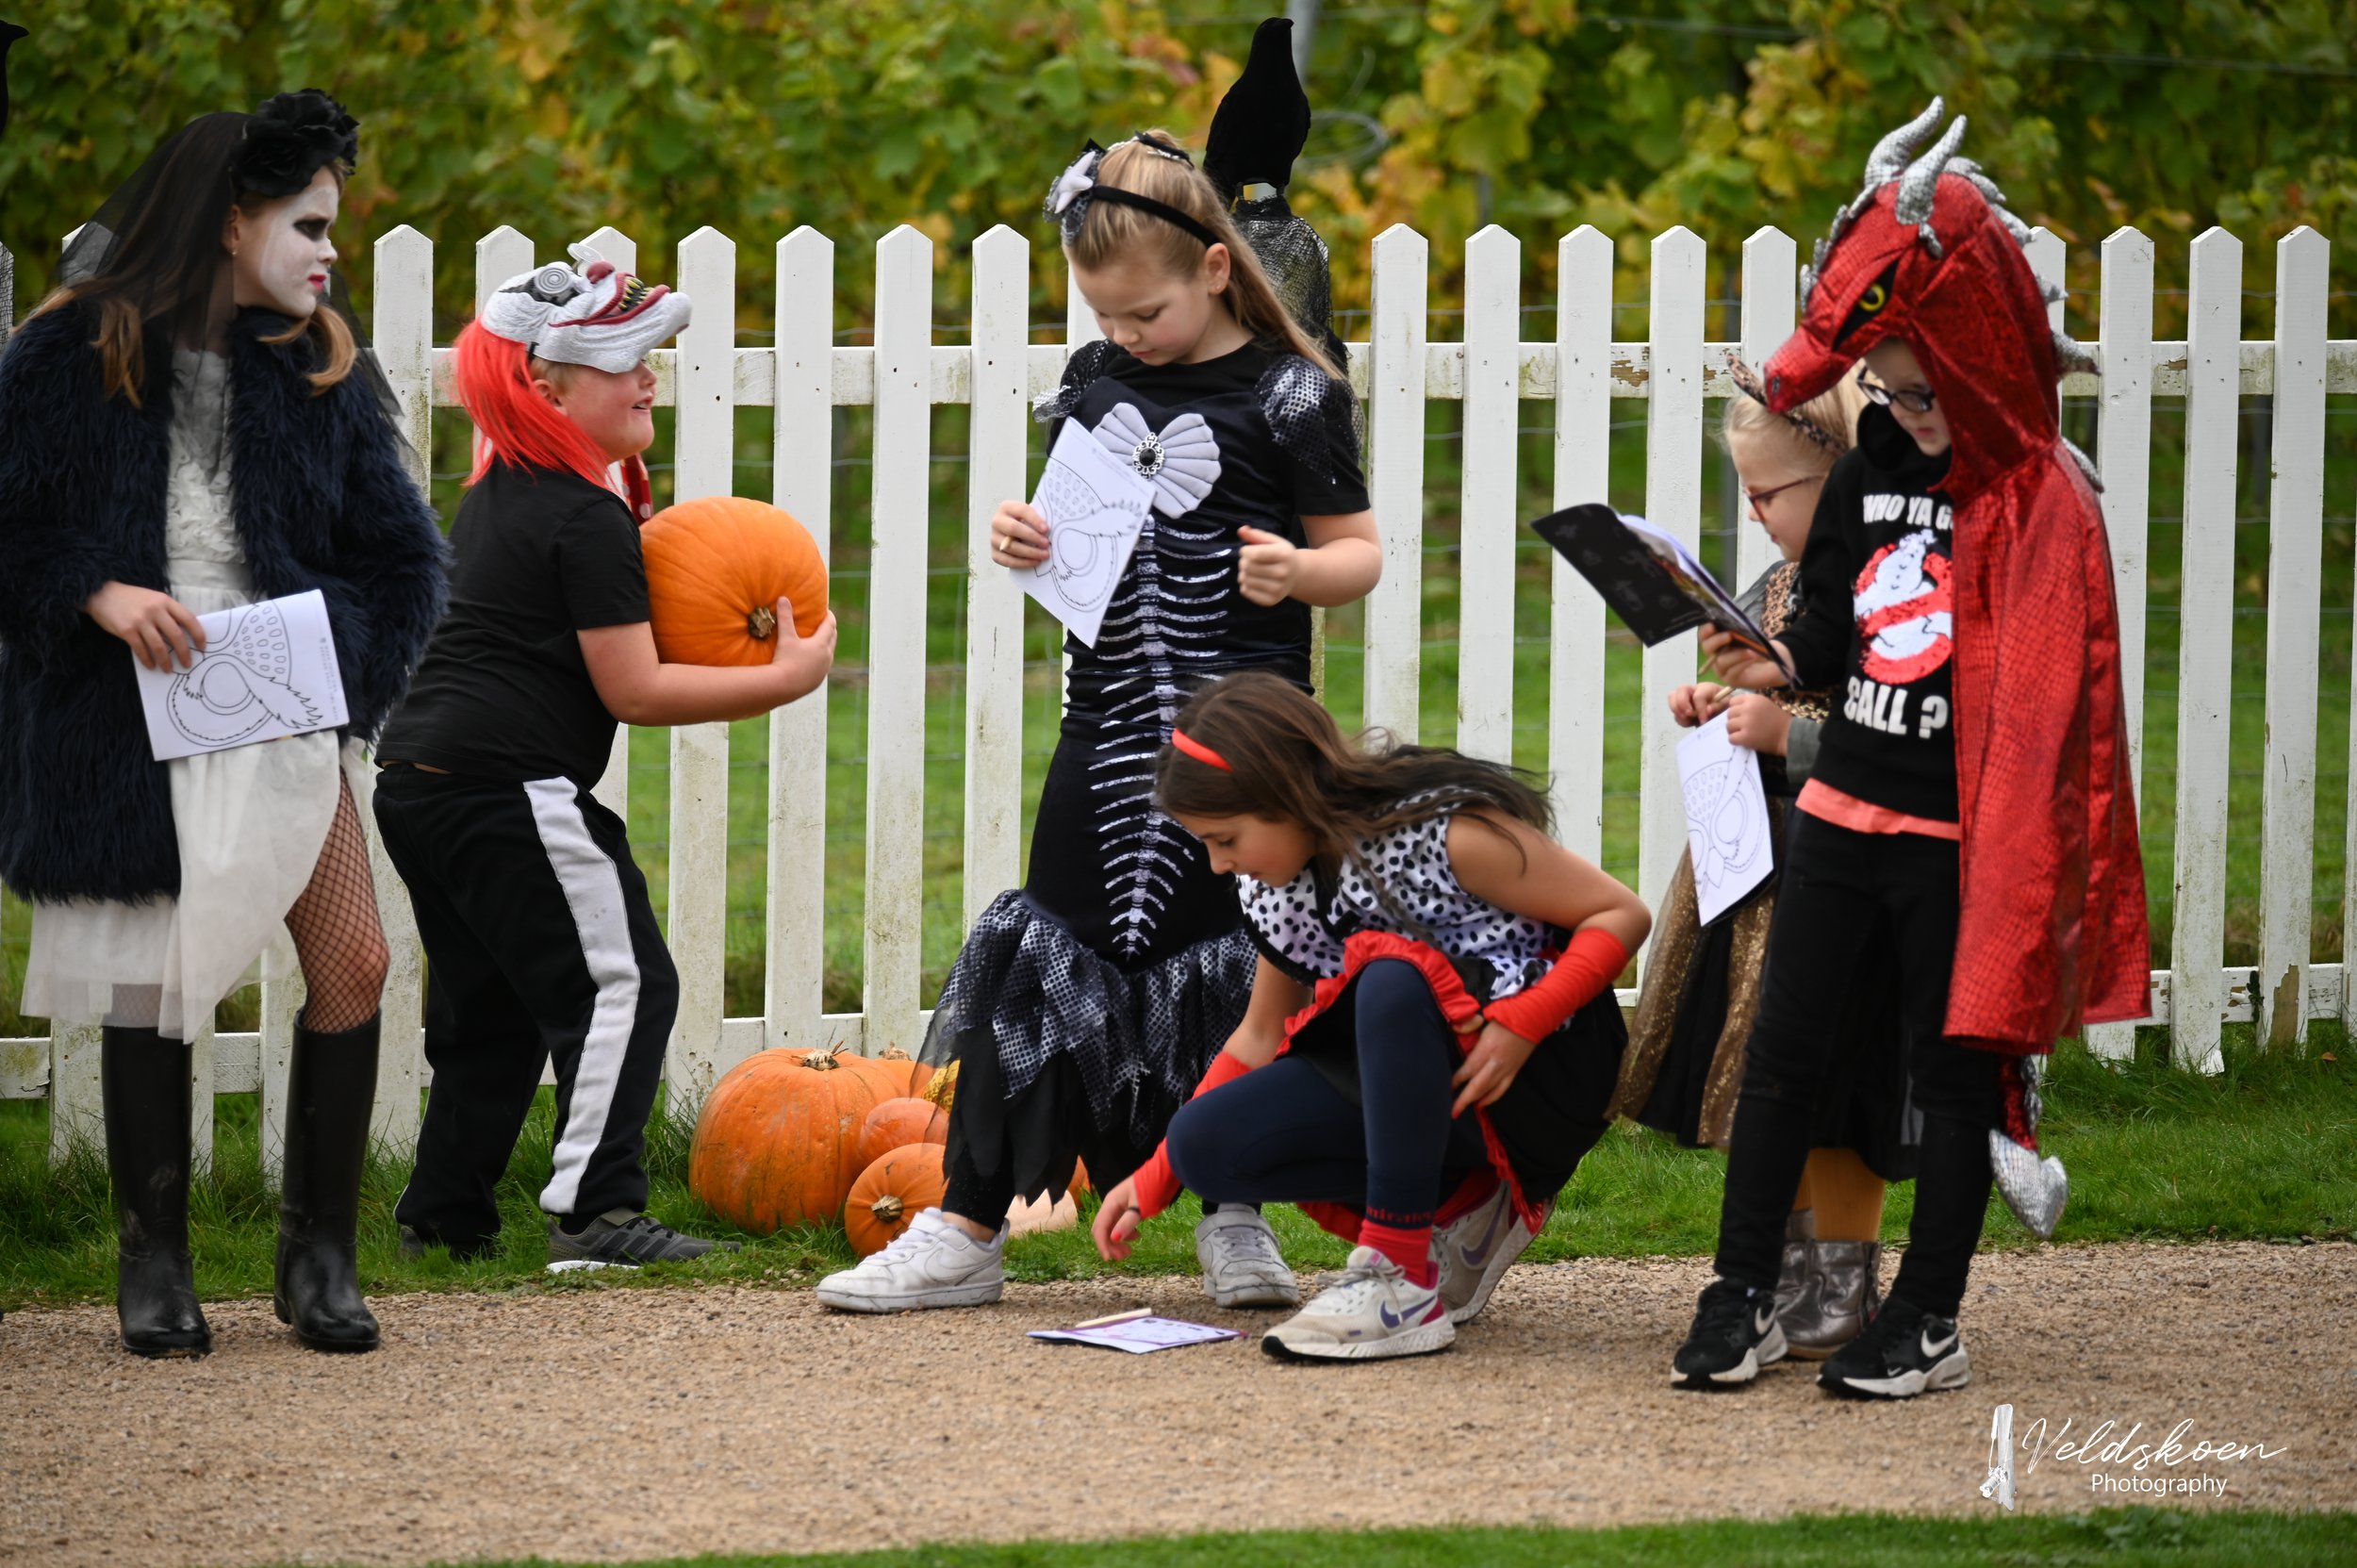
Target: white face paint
280,250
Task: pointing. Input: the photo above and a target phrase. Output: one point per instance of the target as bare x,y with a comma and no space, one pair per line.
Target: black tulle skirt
1085,1006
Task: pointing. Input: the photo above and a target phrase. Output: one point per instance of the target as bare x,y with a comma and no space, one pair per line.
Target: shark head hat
589,313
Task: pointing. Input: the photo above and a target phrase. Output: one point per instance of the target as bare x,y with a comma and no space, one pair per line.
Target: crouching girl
1432,1039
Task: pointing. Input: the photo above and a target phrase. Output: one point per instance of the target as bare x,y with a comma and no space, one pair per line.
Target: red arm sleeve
1587,966
1155,1183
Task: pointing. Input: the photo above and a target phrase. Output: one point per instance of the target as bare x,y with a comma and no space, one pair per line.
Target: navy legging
1286,1133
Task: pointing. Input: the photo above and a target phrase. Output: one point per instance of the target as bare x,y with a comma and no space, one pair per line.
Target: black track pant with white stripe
540,946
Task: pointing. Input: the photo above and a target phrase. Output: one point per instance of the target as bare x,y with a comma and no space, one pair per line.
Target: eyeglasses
1912,400
1759,499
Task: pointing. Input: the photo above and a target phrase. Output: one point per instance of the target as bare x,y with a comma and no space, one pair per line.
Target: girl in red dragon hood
1971,794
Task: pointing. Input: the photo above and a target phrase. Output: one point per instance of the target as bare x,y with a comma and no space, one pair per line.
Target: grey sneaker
622,1239
1475,1250
1241,1266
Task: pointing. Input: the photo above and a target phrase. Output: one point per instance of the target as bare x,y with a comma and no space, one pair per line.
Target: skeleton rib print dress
1085,1005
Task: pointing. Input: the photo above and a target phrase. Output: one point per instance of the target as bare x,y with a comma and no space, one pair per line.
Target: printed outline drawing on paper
241,683
1082,564
1735,826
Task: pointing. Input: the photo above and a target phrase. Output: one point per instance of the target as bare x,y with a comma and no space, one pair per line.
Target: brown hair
1288,760
1112,233
163,267
1833,413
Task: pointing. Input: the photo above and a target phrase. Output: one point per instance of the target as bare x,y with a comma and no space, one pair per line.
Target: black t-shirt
502,692
1879,626
1257,438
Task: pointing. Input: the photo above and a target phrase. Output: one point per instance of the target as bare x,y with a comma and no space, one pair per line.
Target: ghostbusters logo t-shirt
1876,580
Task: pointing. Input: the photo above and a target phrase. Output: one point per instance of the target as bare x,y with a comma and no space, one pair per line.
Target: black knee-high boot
143,1082
331,1086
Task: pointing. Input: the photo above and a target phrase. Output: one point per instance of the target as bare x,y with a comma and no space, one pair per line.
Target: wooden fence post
704,394
895,639
2205,650
1674,500
1395,412
1488,525
998,440
1583,473
803,483
1771,287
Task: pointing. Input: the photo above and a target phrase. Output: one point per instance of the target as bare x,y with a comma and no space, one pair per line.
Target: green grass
2267,1151
2110,1537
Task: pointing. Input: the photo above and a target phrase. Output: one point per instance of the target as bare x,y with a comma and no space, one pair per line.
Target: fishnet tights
336,931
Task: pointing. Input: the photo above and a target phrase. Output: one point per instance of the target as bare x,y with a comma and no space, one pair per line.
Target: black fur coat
322,501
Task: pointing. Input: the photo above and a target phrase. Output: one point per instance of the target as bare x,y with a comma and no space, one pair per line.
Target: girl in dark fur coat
191,426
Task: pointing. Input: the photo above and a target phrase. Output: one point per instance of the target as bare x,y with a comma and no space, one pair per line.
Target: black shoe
330,1088
1735,1334
1904,1351
621,1238
143,1082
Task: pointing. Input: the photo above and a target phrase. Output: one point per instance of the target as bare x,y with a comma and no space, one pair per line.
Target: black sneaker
620,1238
1735,1334
1904,1351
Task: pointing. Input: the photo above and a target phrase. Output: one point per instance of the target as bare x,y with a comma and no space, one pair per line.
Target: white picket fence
805,375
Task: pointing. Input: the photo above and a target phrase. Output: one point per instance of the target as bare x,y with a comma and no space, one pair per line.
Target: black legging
1287,1133
1839,886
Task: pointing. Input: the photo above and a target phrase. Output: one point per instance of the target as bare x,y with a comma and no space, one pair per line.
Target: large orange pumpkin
777,1141
715,569
896,1123
891,1193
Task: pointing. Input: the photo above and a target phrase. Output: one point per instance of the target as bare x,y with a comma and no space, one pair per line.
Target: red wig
514,423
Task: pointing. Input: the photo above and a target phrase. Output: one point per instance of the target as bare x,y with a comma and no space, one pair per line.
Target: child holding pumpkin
1433,1039
539,937
1086,1004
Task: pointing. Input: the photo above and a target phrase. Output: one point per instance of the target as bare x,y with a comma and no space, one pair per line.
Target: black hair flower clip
292,138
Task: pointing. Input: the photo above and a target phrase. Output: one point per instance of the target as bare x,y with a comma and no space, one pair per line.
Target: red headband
1196,750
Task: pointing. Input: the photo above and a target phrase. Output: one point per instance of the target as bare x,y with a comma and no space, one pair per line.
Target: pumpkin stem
886,1209
762,622
824,1060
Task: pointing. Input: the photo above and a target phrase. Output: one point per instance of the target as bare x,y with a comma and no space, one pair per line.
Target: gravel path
606,1424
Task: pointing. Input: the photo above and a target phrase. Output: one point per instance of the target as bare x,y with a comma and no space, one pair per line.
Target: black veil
181,193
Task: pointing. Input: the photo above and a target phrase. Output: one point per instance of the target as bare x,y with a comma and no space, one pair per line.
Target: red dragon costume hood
2051,934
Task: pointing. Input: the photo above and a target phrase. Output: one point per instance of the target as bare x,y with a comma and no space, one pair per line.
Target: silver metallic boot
1795,1284
1844,1290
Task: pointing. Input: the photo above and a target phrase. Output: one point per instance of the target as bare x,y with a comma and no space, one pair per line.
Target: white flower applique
1181,458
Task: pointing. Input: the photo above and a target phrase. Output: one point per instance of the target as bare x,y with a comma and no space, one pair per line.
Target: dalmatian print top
1301,927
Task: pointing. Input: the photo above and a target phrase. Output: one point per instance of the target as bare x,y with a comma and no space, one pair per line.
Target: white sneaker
1241,1266
1476,1249
932,1263
1370,1310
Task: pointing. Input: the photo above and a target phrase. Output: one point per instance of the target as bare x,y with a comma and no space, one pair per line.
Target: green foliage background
659,116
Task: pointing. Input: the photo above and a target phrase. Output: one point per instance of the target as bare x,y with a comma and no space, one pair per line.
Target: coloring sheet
268,670
1139,1335
1095,505
1726,818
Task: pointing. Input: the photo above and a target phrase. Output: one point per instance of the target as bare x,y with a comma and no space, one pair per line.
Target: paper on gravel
1095,507
268,670
1138,1335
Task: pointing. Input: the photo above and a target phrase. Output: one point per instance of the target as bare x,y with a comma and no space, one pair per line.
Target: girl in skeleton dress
193,426
1086,1004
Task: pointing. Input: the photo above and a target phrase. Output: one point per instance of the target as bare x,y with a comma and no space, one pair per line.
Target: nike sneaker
1474,1250
932,1263
1904,1351
1735,1334
1370,1310
1241,1266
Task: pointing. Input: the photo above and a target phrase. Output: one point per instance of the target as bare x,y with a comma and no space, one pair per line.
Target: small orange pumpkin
896,1123
891,1193
919,1075
715,569
1081,1182
777,1136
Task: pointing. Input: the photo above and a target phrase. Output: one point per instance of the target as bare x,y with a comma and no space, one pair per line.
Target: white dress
251,821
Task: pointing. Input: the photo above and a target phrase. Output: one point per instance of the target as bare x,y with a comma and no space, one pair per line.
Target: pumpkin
1081,1182
896,1123
942,1090
777,1143
715,569
919,1075
891,1193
